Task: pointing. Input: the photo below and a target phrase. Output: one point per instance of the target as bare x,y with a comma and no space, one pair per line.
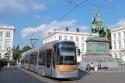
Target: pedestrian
92,67
88,67
99,67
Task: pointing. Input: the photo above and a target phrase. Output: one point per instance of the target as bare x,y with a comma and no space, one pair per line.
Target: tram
55,59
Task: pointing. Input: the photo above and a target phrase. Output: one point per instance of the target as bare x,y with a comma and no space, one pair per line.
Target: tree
26,48
17,52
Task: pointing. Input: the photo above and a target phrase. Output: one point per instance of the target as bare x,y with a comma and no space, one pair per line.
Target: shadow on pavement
81,74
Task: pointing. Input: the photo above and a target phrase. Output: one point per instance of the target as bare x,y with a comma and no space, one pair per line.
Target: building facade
78,37
6,41
118,41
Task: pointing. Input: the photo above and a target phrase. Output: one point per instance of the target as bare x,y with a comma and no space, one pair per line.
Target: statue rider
97,25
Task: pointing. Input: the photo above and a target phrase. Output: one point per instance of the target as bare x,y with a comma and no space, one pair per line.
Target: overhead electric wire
72,1
77,4
72,9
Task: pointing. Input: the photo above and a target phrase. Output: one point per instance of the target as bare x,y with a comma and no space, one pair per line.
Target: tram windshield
67,51
67,55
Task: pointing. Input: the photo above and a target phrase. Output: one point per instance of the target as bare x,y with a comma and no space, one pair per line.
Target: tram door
48,63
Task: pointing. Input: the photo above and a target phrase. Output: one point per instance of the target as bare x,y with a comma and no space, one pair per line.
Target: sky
34,18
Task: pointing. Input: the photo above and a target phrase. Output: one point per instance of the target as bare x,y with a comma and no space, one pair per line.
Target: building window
77,39
65,37
124,44
7,34
114,45
71,38
82,39
82,46
0,34
119,35
7,43
114,36
124,34
116,55
60,37
119,45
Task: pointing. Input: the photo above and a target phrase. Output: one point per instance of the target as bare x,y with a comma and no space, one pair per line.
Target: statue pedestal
94,35
97,45
98,52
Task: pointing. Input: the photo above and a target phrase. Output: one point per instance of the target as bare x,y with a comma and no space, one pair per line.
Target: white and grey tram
55,59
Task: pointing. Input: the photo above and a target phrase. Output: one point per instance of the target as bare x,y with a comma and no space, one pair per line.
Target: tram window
42,58
31,59
48,58
67,60
67,51
53,60
35,58
68,43
26,59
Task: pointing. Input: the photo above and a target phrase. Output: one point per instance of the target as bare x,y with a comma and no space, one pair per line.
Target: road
15,75
19,75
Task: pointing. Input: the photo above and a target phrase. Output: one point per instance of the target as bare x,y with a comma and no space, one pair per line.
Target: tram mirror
78,63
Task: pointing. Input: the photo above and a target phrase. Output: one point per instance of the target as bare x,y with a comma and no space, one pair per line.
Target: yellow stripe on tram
66,68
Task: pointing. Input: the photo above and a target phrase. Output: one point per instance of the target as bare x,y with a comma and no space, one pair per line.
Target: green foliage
120,61
26,48
17,52
12,62
106,33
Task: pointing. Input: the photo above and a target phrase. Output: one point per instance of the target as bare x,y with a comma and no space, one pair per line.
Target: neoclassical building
6,41
78,37
118,41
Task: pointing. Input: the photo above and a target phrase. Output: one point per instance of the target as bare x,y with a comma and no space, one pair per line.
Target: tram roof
48,45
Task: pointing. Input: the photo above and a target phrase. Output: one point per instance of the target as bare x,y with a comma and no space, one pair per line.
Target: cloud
20,6
45,28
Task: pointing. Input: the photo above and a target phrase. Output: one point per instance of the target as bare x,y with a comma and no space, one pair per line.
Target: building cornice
118,28
66,32
7,27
